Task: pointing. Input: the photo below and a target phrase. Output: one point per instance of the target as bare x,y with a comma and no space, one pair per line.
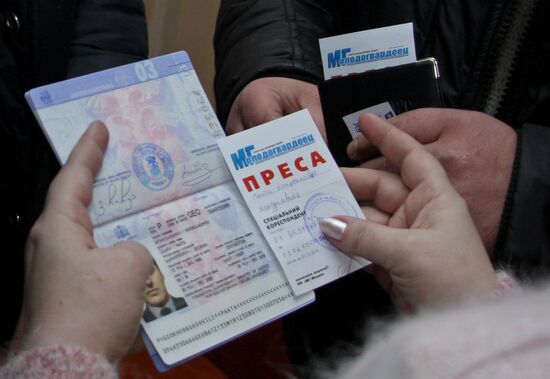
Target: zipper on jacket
511,31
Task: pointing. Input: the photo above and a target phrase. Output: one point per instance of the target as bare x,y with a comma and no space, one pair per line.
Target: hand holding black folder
405,87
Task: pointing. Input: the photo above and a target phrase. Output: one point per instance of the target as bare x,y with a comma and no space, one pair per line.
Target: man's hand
476,150
75,292
427,251
267,99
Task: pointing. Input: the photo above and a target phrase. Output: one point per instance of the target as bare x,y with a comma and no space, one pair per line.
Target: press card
290,182
372,49
165,184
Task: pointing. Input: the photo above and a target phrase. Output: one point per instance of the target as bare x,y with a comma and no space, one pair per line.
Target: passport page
164,184
162,132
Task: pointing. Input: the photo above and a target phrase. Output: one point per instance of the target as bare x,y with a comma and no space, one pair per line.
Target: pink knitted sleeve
52,362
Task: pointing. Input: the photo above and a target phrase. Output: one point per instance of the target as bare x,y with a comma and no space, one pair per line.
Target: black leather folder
405,87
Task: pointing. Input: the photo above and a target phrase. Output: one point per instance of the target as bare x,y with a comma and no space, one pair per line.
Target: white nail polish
333,228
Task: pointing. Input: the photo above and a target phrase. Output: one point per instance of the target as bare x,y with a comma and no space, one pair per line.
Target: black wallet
405,87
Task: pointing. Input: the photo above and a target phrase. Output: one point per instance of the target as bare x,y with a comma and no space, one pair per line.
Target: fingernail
93,128
95,124
333,228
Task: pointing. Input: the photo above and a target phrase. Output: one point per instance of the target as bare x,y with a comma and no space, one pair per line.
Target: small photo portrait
158,301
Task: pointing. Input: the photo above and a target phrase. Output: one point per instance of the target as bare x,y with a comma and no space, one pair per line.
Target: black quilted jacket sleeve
107,33
524,243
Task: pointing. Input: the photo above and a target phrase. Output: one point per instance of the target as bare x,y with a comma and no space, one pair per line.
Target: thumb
131,254
374,242
317,114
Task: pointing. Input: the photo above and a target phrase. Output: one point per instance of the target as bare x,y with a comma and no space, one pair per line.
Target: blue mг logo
342,57
337,56
245,157
242,158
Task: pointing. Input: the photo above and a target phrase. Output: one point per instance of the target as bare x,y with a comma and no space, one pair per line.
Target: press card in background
373,49
165,184
290,182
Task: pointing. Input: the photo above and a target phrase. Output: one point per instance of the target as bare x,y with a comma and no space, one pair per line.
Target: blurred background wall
185,25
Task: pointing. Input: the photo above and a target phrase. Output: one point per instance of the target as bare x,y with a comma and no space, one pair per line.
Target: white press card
367,50
290,182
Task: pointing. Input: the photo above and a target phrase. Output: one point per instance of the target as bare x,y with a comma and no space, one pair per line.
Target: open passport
223,269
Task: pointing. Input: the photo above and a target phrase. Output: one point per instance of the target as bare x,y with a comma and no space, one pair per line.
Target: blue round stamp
153,166
320,206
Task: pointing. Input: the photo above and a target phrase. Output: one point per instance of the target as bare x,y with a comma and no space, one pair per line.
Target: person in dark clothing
43,41
493,58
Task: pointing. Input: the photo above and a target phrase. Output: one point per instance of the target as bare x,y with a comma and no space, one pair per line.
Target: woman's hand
418,233
76,293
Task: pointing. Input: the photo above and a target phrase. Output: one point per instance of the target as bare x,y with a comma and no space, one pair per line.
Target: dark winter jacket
43,41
